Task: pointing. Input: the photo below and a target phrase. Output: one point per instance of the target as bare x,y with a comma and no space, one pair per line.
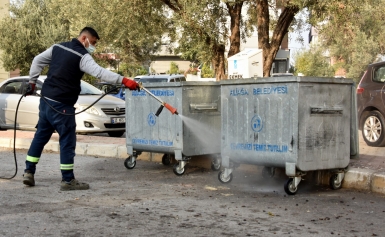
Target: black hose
14,140
17,109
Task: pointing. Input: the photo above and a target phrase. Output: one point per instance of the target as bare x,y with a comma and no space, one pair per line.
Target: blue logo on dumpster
151,119
235,64
256,123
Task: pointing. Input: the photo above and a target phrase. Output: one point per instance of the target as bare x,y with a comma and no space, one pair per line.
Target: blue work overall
65,125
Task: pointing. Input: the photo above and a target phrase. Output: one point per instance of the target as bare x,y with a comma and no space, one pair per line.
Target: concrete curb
365,179
355,178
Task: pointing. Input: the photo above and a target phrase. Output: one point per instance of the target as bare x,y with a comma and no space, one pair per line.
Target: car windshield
153,80
88,89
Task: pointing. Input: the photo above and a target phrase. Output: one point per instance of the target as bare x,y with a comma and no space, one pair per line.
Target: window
279,66
13,87
379,74
153,80
88,89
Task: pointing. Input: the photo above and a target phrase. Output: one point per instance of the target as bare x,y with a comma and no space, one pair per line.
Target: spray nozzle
163,104
171,109
159,110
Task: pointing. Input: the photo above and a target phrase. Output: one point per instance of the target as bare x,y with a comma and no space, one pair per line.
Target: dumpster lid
328,80
178,84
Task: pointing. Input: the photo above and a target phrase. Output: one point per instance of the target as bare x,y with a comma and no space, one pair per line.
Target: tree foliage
207,31
206,71
131,29
131,32
32,27
174,68
200,30
131,69
313,62
353,32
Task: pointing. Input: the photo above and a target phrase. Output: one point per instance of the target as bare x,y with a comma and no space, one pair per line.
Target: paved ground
372,158
151,201
365,173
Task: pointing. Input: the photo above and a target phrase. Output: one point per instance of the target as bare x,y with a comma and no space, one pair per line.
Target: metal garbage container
297,123
195,131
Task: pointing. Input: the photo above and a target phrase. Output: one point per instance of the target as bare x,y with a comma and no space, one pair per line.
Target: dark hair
90,31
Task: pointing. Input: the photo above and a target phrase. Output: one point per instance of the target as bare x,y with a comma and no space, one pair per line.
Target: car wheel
373,128
115,133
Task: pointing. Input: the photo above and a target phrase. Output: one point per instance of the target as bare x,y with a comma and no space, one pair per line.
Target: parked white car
161,78
106,116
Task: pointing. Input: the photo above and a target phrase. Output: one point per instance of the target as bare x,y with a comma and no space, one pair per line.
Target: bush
206,71
174,68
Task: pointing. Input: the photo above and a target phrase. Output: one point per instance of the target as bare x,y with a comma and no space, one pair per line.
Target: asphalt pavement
365,173
150,200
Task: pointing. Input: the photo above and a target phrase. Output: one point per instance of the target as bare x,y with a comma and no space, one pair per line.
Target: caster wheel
215,166
268,172
223,179
166,159
128,164
290,189
177,170
334,184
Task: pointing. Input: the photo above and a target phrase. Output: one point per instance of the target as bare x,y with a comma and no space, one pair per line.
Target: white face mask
90,47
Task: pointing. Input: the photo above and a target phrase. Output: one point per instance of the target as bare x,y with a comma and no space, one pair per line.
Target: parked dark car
371,104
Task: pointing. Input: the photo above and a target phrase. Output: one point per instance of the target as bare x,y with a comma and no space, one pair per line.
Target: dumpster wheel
215,164
130,162
223,179
166,159
178,170
290,187
335,182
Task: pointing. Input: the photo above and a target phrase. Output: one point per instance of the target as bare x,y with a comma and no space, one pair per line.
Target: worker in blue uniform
67,61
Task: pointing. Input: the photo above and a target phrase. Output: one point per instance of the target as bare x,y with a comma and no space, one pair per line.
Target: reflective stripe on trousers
33,159
66,166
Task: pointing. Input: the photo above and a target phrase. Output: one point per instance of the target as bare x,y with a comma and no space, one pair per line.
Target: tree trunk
235,22
270,49
218,50
219,61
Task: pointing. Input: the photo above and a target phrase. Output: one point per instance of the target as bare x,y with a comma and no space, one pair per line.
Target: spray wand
163,104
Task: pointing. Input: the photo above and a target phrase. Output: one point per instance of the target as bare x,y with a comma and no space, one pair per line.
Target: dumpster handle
318,110
205,106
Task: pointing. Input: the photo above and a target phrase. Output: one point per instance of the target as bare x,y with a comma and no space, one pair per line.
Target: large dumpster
297,123
195,131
